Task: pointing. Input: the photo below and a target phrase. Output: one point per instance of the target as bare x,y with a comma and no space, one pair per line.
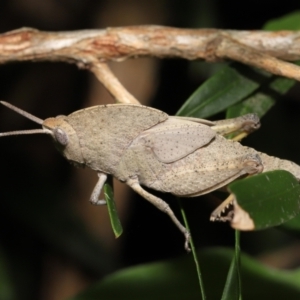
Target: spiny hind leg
238,218
216,215
240,127
161,205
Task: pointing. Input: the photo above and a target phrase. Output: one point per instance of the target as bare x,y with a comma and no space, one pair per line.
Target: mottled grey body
143,146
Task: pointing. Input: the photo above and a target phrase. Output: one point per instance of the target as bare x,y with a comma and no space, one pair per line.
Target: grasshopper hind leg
239,127
253,165
216,215
161,205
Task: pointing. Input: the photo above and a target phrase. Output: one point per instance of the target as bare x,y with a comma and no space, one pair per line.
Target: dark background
45,232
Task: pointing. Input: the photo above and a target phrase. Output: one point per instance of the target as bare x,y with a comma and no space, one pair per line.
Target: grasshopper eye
60,136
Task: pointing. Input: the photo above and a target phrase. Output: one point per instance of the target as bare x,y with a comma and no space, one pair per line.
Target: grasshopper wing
175,139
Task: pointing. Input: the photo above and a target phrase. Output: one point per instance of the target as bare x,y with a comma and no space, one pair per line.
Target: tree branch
91,48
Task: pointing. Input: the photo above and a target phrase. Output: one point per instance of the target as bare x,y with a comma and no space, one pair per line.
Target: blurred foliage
36,219
176,279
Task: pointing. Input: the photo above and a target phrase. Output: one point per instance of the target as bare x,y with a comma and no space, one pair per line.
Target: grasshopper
142,146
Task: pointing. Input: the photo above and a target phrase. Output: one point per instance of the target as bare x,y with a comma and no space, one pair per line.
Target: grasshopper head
64,136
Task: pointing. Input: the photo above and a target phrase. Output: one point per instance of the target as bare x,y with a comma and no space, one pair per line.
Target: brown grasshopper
142,146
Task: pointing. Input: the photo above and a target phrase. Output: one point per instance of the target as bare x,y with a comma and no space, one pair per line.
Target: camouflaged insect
142,146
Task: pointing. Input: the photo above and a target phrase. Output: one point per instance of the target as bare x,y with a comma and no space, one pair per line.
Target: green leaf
112,210
287,22
292,226
176,279
259,104
229,86
270,198
263,99
232,288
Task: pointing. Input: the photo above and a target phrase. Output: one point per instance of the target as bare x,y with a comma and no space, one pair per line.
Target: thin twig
197,265
112,84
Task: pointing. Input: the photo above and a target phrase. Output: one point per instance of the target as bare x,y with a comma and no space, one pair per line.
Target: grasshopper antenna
28,116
